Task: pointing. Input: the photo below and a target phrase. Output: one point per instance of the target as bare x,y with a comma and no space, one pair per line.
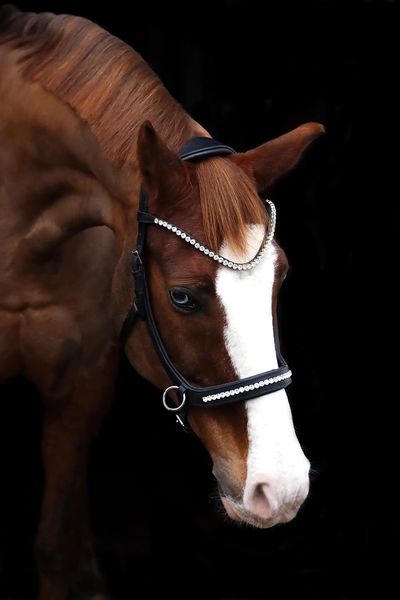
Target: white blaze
276,462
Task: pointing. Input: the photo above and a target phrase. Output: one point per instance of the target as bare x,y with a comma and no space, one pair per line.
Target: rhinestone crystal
269,236
247,388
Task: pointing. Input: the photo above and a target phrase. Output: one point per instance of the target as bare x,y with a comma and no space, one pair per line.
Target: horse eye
182,299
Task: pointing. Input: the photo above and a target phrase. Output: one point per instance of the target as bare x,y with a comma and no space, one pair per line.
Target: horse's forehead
185,260
188,265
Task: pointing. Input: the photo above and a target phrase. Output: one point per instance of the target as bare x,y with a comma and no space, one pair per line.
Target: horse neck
112,89
55,181
105,81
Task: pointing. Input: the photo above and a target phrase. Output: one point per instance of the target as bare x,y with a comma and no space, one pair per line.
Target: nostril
261,501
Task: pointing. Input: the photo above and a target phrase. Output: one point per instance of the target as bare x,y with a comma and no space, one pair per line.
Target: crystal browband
269,236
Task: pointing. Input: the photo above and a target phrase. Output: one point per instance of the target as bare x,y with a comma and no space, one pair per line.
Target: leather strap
202,147
138,308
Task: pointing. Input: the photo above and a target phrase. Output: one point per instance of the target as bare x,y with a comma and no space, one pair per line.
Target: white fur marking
275,463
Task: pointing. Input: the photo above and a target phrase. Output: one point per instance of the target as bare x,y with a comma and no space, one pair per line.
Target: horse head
217,323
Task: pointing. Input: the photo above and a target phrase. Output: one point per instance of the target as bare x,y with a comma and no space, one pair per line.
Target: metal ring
164,399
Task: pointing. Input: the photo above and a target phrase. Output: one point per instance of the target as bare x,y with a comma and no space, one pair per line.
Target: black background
248,72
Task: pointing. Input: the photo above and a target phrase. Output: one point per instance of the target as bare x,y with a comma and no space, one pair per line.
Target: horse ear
275,158
161,169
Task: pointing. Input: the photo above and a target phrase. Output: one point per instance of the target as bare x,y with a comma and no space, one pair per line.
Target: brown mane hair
111,87
229,202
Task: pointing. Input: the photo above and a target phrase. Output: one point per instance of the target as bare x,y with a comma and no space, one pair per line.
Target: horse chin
238,513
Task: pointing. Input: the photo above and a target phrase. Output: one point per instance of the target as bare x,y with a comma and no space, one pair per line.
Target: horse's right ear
161,169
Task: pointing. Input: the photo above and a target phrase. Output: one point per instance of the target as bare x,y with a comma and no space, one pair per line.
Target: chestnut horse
84,123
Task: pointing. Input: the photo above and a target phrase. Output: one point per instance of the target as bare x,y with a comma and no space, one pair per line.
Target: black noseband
189,395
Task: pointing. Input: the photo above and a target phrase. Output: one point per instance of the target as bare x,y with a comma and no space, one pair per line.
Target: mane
111,87
229,203
103,79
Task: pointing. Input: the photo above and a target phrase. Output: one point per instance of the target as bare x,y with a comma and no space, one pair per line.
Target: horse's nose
268,498
262,501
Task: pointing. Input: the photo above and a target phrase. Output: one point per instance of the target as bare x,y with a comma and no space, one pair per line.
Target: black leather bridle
188,394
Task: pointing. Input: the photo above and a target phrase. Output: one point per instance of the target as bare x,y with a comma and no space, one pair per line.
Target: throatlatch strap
137,309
